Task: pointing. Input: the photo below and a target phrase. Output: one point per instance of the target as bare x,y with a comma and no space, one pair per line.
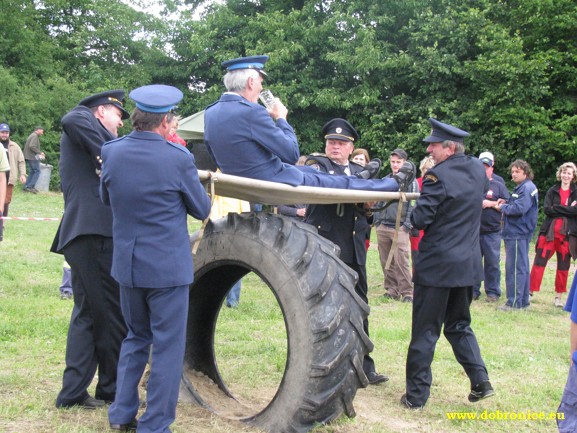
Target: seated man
244,140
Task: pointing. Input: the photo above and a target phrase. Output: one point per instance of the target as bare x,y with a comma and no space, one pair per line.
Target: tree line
506,71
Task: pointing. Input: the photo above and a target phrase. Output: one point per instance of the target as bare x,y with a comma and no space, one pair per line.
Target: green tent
192,127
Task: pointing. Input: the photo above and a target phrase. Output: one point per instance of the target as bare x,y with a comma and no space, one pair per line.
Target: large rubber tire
323,318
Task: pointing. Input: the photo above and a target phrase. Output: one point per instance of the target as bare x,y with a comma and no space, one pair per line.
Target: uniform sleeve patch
431,177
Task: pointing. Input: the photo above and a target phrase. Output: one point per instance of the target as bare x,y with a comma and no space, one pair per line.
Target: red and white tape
29,219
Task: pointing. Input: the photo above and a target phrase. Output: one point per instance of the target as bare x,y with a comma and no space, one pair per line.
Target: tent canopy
192,127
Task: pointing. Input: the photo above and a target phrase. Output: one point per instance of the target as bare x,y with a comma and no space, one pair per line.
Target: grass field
527,353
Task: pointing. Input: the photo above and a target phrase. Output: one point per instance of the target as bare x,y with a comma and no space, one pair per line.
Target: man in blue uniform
448,264
151,186
245,139
347,225
85,238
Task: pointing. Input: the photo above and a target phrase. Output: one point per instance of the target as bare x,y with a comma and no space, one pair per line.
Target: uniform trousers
568,405
435,308
517,272
362,289
398,278
97,327
154,317
491,252
543,252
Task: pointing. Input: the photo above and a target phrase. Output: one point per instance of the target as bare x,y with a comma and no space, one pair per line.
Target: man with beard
17,168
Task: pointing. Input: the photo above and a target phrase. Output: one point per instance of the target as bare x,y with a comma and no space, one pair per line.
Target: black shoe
480,391
88,403
376,378
65,296
406,176
131,426
371,169
408,299
405,402
476,297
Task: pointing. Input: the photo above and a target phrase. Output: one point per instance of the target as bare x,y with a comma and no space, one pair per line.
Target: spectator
152,258
4,168
17,168
360,156
520,220
173,137
97,327
490,157
560,223
345,225
490,237
397,277
416,235
269,144
448,265
33,155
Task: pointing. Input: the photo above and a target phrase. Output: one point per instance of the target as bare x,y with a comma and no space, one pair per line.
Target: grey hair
235,81
459,147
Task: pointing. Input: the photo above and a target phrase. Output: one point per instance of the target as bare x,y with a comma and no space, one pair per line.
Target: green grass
527,353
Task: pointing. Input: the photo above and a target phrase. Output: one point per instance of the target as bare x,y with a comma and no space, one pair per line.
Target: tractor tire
322,313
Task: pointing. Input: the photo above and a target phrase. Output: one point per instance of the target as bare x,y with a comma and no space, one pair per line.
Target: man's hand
302,212
278,110
489,203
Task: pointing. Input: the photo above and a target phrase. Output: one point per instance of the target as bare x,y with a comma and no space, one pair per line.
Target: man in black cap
97,327
246,139
346,225
448,264
152,257
397,276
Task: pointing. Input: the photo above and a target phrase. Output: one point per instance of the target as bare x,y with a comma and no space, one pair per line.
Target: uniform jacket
32,146
80,147
449,211
520,212
151,185
245,141
345,225
17,162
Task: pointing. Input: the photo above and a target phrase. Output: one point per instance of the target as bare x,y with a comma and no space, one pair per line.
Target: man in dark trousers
448,265
152,256
346,225
97,327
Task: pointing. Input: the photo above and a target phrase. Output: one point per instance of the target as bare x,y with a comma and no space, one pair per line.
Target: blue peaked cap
443,131
156,98
251,62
